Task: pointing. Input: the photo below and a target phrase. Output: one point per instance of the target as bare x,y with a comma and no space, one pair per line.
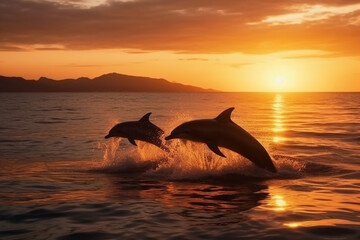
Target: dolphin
142,130
223,132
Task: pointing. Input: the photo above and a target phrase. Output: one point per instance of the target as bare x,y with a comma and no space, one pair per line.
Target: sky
229,45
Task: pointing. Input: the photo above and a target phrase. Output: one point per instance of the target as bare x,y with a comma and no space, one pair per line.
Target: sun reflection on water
292,225
278,125
279,203
321,222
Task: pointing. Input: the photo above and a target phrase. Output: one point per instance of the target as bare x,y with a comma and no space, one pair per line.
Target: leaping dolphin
223,132
142,130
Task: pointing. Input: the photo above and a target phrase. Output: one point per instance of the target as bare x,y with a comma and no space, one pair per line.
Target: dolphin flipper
213,147
132,141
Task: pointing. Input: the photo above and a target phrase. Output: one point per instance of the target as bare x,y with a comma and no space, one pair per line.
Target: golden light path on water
290,207
277,201
287,203
278,117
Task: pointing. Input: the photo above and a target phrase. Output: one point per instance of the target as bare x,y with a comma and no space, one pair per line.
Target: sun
279,81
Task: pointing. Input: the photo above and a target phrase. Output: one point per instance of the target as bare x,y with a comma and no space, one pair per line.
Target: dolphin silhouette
223,132
142,130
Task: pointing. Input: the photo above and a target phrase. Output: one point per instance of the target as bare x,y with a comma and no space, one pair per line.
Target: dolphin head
118,130
188,131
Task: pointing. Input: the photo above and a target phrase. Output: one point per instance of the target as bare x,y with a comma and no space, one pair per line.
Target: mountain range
111,82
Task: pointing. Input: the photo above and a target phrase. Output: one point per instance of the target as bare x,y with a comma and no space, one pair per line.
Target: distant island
111,82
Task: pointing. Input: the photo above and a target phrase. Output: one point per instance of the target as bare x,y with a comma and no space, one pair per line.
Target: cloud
132,51
239,65
200,26
194,59
311,13
315,54
79,3
11,48
73,65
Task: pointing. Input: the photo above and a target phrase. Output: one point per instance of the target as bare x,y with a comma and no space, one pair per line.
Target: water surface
59,179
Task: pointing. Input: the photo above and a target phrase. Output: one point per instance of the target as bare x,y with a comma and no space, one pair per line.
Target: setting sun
279,81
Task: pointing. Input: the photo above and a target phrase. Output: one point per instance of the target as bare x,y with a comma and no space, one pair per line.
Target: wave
293,133
195,162
49,122
14,140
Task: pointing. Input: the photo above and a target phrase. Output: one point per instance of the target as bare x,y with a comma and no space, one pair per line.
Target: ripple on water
89,236
49,122
10,233
330,231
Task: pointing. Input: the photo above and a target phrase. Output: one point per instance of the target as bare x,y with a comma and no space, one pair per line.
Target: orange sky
231,45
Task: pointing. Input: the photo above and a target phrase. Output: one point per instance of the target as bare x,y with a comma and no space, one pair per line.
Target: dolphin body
223,132
142,130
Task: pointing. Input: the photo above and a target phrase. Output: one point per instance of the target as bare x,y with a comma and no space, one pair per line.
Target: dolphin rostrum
142,130
223,132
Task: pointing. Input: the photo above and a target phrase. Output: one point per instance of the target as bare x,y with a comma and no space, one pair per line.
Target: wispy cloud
79,3
310,13
238,65
200,26
194,59
302,56
10,47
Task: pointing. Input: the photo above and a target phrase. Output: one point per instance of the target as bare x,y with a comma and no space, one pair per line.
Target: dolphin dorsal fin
225,116
145,118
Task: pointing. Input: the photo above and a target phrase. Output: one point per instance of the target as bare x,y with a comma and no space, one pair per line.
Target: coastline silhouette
111,82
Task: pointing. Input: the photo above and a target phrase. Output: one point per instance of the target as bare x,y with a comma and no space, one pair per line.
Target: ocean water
60,179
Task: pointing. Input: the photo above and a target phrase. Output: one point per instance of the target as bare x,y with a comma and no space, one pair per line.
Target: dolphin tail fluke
213,147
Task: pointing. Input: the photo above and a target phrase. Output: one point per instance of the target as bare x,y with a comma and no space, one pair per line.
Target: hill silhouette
111,82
